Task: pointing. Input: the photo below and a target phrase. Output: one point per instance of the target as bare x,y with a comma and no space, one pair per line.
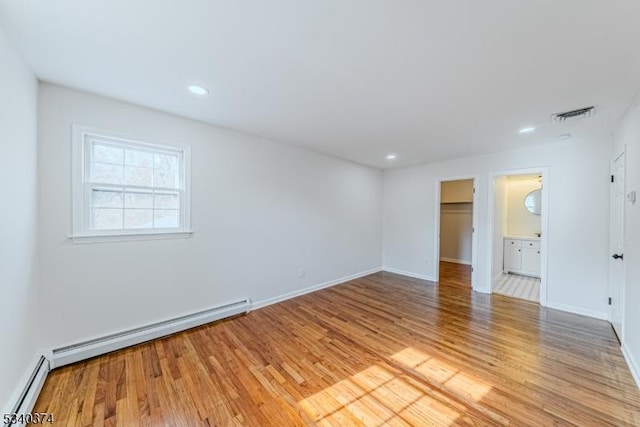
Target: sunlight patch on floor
451,378
380,395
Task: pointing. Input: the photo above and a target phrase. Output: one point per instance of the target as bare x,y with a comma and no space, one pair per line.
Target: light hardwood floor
384,349
455,274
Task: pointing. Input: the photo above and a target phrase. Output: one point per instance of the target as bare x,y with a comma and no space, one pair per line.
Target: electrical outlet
301,273
426,262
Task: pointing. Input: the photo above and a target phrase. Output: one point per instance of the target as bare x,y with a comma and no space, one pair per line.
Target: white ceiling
357,79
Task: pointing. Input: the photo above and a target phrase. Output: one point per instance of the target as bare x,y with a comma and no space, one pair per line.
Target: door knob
617,256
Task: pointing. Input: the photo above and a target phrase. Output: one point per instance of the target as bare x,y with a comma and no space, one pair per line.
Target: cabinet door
512,258
531,261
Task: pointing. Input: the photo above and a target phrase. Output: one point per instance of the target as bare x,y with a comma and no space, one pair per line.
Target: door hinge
609,300
473,229
613,178
474,190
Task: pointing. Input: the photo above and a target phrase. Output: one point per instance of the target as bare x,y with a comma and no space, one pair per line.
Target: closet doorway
456,219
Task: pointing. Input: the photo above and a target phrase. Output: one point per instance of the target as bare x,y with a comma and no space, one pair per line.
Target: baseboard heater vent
29,395
88,349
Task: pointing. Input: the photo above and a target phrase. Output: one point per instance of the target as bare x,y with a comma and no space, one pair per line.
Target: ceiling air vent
581,113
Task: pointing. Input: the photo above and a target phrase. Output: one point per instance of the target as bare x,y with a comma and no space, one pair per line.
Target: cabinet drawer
512,243
533,244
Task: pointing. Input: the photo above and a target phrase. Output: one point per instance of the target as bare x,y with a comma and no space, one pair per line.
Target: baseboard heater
27,399
88,349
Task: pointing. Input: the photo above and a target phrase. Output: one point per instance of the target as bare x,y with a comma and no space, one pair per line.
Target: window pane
107,153
138,199
106,173
104,198
138,158
137,176
165,161
130,185
165,178
167,201
106,219
138,218
166,219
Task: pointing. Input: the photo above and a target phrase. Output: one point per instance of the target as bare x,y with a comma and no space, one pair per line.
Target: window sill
133,237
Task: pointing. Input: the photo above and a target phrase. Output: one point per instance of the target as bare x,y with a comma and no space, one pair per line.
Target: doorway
456,232
518,204
616,262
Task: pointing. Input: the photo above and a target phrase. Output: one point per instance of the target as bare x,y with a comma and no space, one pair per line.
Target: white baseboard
632,363
88,349
577,310
95,347
409,274
24,398
455,261
299,292
27,394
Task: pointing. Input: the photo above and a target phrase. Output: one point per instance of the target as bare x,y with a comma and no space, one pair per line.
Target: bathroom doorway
518,225
456,228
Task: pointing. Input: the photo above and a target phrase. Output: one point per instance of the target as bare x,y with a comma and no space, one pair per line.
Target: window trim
80,198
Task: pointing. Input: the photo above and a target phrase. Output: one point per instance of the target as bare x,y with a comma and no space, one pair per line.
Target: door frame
623,152
474,220
544,223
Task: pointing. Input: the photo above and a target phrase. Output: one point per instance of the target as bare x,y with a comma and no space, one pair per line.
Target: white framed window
128,189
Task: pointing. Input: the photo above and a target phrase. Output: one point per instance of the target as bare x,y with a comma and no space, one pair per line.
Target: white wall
521,222
501,198
260,210
578,217
19,315
628,134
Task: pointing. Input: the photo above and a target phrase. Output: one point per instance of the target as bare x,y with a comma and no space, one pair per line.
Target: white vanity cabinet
522,256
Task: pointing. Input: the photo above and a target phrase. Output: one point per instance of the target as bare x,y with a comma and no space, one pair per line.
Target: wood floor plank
380,350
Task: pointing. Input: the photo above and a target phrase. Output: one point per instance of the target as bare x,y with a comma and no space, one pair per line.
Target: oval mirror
533,202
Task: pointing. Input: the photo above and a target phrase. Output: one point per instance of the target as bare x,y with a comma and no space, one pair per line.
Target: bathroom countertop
510,236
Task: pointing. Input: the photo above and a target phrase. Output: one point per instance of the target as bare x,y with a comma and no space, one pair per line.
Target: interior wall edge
21,315
632,362
299,292
409,274
601,315
29,386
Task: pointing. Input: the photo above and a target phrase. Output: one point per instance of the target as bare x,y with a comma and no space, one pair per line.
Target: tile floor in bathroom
516,286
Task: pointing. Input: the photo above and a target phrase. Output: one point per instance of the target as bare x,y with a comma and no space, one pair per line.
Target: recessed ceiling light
391,156
563,136
527,130
198,90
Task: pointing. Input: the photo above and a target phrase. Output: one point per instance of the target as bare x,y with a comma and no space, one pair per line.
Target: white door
531,261
512,258
616,262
